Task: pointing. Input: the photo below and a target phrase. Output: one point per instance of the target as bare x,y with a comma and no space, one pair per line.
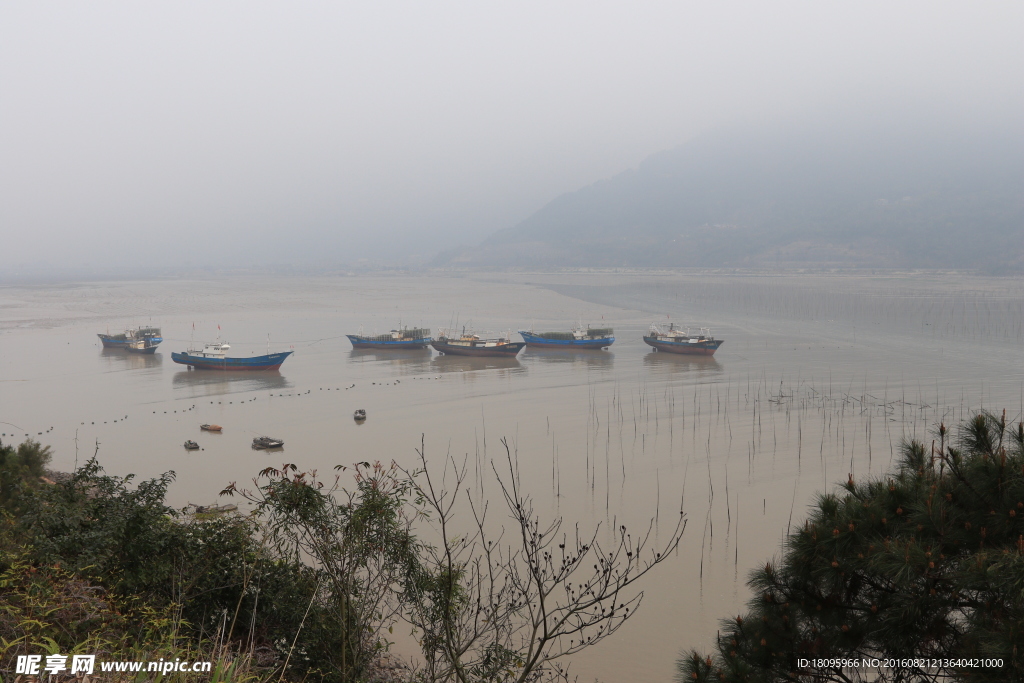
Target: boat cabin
217,350
675,334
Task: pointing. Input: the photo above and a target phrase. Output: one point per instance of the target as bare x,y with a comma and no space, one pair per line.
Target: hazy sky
250,132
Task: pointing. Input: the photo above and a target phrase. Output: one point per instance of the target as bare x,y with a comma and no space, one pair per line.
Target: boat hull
392,345
508,350
706,347
544,343
271,361
112,342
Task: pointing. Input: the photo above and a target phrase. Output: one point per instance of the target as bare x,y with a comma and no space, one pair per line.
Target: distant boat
673,340
149,335
359,415
191,445
211,428
215,357
261,443
473,345
578,338
405,338
192,509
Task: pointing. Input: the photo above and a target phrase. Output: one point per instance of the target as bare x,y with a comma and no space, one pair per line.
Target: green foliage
50,610
49,604
306,587
21,468
926,563
362,551
149,578
93,520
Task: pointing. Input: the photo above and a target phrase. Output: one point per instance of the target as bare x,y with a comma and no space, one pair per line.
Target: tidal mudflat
820,377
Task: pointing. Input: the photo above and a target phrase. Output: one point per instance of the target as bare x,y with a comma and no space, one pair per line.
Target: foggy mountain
872,195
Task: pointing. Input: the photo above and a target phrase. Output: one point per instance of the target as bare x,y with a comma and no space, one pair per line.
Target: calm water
820,376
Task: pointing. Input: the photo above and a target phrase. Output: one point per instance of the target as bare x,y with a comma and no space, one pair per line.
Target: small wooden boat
210,428
191,445
359,415
262,443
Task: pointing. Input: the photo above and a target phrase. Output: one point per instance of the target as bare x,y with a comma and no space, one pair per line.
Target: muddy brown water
820,376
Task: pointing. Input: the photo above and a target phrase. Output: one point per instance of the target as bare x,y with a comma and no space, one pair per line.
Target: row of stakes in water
229,403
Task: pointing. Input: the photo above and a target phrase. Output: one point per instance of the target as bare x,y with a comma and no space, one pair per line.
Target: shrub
927,563
21,468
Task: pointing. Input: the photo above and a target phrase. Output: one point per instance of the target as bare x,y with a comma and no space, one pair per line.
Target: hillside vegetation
869,195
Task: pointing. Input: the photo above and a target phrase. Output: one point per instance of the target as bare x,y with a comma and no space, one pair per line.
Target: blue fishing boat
674,340
578,338
405,338
215,357
149,336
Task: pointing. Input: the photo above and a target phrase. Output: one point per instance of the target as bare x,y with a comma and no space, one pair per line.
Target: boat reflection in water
470,364
228,382
120,359
405,361
676,363
582,359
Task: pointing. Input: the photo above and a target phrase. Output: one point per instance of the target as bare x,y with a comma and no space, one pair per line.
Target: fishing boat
149,335
141,346
674,340
191,445
193,509
405,338
473,345
262,443
211,428
578,338
215,357
359,415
